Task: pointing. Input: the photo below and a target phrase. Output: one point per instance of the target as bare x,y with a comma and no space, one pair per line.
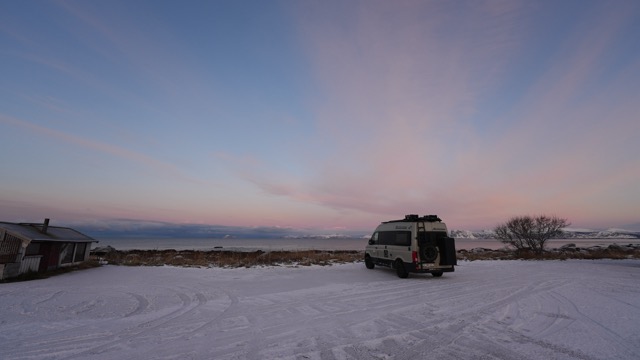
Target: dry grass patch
235,259
223,258
592,253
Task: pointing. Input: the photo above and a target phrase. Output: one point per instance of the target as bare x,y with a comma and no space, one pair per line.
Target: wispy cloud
155,55
398,92
401,92
122,153
351,113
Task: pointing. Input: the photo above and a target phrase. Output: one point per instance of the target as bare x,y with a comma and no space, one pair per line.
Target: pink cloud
399,91
394,93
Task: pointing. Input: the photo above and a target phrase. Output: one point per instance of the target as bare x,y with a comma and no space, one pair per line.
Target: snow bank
486,309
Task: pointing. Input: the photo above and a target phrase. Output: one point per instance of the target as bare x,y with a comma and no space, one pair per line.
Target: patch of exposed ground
226,258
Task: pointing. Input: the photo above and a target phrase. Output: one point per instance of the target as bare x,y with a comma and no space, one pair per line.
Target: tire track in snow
411,344
31,306
485,315
142,305
602,331
444,337
288,300
58,339
226,313
132,334
270,322
276,321
553,320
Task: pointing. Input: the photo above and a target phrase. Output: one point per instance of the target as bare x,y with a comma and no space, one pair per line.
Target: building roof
53,233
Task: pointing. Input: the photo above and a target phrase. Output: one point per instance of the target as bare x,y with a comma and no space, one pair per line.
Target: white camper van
418,244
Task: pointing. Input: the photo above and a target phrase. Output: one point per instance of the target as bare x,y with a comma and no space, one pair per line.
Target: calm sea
310,244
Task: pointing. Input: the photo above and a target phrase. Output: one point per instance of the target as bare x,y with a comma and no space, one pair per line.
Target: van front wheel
400,270
368,262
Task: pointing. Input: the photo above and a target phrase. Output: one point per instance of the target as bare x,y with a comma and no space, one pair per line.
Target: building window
9,248
32,249
80,249
72,252
67,253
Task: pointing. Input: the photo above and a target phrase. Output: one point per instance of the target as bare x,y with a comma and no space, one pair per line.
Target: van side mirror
371,242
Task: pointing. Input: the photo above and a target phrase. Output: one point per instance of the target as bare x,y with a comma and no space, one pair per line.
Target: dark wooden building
26,247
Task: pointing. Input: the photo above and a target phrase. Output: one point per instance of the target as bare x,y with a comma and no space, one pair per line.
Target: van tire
437,274
400,270
368,262
429,253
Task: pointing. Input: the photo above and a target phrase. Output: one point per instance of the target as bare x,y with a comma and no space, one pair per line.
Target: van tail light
414,257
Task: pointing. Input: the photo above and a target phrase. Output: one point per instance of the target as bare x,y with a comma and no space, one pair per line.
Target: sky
322,115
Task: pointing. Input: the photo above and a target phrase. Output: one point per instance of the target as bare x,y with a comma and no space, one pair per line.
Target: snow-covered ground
485,310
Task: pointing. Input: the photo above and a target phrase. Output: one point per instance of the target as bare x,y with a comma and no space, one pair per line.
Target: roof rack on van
415,217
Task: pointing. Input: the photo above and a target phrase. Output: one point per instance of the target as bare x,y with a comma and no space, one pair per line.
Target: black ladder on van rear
421,229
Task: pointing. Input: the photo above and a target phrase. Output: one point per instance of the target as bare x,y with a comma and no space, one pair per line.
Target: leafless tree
530,233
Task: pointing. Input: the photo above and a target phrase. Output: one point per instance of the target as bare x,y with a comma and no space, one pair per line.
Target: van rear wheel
400,270
437,274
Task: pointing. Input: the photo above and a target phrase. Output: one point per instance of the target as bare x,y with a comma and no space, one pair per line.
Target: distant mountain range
568,234
156,229
150,229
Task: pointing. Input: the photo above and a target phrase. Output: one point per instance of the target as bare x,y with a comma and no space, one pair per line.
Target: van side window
374,238
403,238
398,238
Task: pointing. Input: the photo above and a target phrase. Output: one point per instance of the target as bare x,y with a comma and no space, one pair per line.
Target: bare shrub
527,233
